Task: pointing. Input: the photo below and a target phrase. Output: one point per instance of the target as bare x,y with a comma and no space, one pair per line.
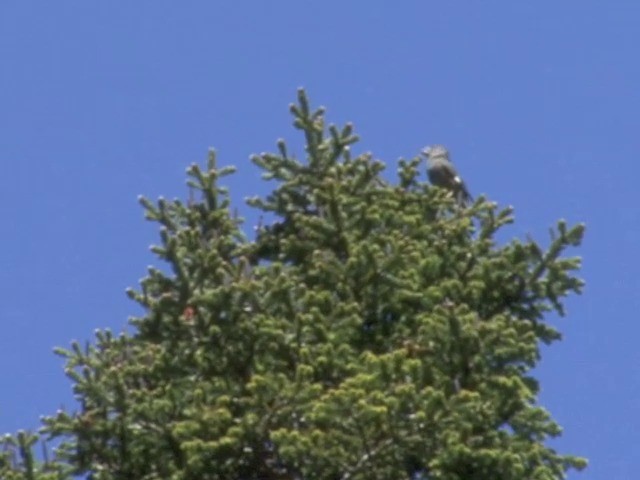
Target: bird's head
436,151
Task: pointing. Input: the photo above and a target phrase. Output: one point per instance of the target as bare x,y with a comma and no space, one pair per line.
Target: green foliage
372,331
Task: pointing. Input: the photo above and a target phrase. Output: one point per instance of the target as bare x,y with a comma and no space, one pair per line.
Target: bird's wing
444,175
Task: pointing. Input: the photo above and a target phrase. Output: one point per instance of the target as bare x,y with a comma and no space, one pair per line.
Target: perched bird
443,174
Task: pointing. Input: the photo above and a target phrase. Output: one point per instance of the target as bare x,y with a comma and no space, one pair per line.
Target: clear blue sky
538,101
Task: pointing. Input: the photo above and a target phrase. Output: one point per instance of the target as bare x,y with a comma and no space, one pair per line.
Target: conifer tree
373,330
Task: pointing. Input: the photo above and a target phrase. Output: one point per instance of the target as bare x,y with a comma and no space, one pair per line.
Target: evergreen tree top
372,330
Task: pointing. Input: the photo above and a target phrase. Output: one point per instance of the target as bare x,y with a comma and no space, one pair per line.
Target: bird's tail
463,197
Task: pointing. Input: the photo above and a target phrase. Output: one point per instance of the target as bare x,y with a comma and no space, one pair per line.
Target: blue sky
538,102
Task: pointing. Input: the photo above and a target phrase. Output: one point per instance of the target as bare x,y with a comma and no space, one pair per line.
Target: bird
443,174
